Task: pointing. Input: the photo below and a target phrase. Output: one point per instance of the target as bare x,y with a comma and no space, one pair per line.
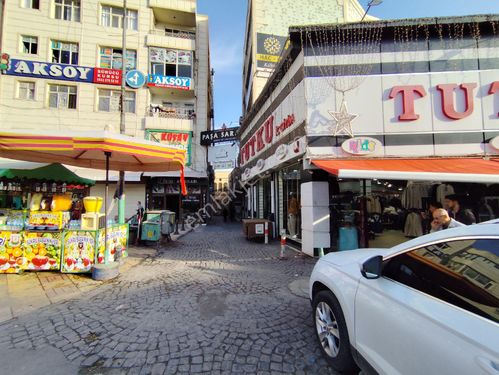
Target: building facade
362,125
65,67
267,24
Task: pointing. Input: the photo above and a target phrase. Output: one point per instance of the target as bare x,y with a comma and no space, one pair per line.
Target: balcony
174,12
169,118
171,38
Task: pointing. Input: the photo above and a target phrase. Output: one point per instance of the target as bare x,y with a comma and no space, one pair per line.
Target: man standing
465,216
442,220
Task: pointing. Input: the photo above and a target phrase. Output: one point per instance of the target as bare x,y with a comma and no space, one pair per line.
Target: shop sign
63,72
216,136
361,146
495,143
265,136
182,83
448,92
11,253
227,164
269,49
107,76
281,152
174,139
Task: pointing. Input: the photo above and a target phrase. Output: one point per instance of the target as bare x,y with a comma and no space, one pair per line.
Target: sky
227,21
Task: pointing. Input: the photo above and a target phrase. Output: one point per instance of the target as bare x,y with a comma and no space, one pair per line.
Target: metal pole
121,203
108,155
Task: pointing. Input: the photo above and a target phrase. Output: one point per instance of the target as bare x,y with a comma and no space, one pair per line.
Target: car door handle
488,365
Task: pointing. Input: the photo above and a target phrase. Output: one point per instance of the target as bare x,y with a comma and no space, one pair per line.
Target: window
30,44
33,4
64,53
464,273
62,96
68,10
26,90
113,17
112,58
170,62
109,101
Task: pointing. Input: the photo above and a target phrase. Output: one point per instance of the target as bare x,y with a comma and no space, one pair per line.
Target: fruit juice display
42,251
79,251
117,238
11,253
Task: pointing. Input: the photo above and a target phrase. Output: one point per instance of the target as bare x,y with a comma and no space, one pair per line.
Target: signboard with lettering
182,83
174,139
63,72
107,76
269,49
215,136
361,146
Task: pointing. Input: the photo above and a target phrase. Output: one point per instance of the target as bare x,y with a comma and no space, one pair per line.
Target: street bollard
321,252
283,243
266,231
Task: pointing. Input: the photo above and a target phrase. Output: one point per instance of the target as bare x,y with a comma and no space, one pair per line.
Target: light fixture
372,3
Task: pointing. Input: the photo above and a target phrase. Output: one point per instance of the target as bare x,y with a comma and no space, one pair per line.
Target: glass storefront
291,200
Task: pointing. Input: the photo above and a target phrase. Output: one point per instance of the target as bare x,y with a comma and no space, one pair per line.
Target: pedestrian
442,220
428,215
140,211
457,212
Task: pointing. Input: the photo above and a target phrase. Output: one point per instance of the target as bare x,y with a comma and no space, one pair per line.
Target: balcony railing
171,112
174,33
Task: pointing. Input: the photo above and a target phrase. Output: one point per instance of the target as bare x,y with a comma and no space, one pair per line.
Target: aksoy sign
265,136
64,72
182,83
447,91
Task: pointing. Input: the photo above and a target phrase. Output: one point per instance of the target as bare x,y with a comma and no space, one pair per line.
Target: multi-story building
66,58
362,125
267,23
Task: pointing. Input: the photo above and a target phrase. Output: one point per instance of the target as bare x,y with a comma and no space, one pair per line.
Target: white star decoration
343,121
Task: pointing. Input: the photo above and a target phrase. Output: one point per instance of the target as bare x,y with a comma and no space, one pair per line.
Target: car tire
331,332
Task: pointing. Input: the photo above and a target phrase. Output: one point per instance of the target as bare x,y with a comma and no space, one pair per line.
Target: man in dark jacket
463,215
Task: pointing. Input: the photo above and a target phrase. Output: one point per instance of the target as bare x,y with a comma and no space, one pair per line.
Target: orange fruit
20,261
42,252
35,250
17,252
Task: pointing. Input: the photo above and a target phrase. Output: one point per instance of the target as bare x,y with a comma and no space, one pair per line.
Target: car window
464,273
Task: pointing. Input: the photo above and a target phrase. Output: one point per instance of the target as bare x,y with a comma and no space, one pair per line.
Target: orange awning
442,169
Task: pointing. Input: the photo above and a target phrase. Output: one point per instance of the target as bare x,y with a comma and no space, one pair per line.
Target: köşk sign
64,72
447,92
265,136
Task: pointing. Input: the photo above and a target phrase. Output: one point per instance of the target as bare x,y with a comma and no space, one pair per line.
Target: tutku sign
64,72
217,136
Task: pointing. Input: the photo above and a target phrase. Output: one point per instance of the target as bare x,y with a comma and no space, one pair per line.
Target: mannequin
293,208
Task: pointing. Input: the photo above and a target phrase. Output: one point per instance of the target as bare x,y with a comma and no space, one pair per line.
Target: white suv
427,306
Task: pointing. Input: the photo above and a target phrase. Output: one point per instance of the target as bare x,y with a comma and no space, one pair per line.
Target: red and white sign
267,134
107,76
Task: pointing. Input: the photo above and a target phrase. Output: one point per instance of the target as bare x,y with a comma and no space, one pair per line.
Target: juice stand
95,240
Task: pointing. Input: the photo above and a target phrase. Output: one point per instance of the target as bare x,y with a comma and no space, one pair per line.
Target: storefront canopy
441,169
51,172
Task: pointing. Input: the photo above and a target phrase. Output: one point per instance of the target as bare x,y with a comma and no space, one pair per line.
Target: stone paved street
210,302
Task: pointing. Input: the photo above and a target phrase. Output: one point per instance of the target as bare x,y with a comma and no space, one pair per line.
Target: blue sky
227,26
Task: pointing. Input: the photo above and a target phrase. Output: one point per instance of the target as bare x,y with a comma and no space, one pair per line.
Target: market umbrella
98,150
53,172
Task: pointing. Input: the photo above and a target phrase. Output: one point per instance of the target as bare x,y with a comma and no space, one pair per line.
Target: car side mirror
371,268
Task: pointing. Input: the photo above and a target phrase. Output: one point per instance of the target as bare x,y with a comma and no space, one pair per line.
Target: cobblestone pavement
209,303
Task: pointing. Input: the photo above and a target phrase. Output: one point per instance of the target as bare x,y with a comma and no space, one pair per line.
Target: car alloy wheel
327,329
